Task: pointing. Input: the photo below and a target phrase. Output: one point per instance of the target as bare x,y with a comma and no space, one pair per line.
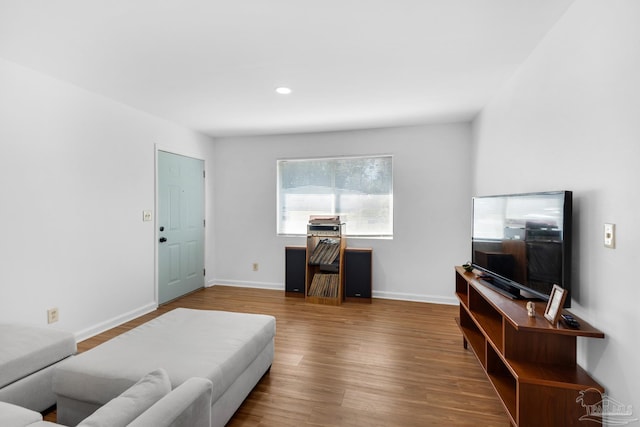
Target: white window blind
359,189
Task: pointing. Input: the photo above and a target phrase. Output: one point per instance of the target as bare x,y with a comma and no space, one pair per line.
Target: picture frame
555,304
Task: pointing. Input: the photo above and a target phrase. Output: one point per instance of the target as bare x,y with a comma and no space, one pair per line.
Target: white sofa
150,402
232,350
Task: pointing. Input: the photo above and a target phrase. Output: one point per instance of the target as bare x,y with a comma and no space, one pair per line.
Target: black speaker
357,274
295,261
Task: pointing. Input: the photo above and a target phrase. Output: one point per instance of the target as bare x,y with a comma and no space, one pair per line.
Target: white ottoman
27,357
233,350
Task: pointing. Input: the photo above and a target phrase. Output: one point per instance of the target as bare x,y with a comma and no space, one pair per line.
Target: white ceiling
213,65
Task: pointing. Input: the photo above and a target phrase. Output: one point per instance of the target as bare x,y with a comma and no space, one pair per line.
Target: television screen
522,242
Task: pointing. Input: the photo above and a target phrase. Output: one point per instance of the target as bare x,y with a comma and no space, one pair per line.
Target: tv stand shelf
530,363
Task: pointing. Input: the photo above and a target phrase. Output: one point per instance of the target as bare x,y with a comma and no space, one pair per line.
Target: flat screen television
521,243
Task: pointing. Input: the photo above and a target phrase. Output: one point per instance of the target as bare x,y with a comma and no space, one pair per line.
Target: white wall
431,207
77,170
570,120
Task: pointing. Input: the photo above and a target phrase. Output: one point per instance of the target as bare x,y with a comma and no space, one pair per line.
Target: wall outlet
52,315
255,266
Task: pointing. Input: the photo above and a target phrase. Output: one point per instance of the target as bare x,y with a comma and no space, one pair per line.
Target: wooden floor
389,363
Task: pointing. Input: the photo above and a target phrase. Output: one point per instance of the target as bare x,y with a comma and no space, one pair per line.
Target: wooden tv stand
530,363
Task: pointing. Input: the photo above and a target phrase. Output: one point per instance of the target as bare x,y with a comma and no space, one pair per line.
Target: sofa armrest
188,405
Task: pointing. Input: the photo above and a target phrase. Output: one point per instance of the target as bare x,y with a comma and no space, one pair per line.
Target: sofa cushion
17,416
44,424
123,409
27,349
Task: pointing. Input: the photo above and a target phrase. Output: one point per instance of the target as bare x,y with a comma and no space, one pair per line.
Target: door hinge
204,174
204,222
204,271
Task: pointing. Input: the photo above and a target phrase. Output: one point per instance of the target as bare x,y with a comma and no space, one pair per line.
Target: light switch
147,215
610,236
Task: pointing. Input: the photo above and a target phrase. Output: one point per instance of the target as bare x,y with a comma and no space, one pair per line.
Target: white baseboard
119,320
246,284
115,321
435,299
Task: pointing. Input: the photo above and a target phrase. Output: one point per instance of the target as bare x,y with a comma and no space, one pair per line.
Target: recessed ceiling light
283,90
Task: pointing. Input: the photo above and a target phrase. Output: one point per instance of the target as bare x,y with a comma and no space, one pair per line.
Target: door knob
163,239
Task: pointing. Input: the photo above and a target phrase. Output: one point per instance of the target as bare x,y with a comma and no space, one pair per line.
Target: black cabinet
295,259
357,275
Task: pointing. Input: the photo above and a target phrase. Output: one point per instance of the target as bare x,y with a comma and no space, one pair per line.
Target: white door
180,224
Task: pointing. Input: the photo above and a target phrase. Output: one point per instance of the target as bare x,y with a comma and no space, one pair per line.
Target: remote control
570,321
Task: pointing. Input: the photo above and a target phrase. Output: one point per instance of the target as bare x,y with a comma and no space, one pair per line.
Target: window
359,189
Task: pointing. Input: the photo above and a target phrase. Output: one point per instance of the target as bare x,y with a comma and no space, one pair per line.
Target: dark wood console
530,363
